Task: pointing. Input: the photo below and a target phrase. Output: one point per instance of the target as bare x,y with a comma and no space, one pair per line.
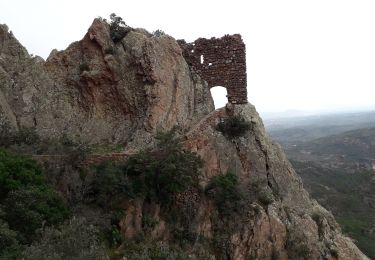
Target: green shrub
77,153
317,217
27,201
158,33
148,223
17,172
225,191
154,174
233,126
109,50
27,136
265,197
76,239
153,250
222,244
110,184
111,236
165,171
184,237
27,210
24,135
9,246
5,133
297,244
118,28
334,252
84,67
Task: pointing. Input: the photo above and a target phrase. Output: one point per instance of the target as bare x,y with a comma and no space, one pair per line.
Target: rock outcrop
101,92
97,91
292,225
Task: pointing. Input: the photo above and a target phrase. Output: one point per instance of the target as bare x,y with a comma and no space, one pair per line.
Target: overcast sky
301,55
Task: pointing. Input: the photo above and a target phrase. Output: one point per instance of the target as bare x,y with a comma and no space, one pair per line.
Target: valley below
335,157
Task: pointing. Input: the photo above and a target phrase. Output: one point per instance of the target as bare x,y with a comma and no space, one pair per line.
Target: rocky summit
248,202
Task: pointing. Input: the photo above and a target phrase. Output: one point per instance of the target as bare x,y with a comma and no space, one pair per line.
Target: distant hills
335,156
353,150
355,145
306,128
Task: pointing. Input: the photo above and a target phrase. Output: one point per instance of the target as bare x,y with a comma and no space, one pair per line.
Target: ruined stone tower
220,62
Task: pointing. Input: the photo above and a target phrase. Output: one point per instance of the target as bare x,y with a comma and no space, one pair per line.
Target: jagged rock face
293,226
99,91
289,226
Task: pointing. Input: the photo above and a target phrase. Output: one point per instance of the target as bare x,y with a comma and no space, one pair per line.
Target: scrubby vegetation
155,175
27,202
234,126
155,250
347,194
24,135
160,183
84,67
75,239
118,28
109,50
360,228
158,33
334,156
226,193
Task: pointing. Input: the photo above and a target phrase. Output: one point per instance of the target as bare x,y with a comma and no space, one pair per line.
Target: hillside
338,171
112,149
355,145
349,194
355,149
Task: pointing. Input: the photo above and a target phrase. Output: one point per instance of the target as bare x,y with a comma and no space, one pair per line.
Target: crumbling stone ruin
220,62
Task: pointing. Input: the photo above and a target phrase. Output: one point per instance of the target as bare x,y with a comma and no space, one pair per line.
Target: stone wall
220,62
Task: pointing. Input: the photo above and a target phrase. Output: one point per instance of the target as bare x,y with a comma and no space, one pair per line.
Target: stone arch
219,95
220,62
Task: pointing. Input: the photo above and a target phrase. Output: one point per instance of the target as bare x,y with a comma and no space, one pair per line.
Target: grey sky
303,55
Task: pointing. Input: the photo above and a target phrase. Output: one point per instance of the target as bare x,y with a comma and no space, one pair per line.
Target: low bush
27,210
225,191
158,33
28,203
233,126
26,136
76,153
154,250
265,197
148,223
109,50
75,239
185,237
118,28
84,67
9,246
222,244
298,245
165,171
5,133
23,136
18,172
110,184
155,174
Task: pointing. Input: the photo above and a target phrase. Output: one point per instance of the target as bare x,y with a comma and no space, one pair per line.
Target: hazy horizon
305,56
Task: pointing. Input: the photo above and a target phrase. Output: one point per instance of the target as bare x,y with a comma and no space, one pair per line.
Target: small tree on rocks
118,28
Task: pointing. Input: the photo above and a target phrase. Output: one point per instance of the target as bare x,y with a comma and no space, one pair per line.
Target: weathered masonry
220,62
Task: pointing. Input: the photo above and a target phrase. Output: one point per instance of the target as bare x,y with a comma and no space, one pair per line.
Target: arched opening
219,95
